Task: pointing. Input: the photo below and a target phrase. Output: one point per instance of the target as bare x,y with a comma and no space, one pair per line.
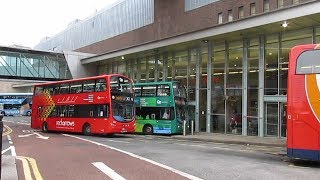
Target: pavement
9,169
234,139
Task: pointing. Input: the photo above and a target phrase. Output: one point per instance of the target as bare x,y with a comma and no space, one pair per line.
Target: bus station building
231,55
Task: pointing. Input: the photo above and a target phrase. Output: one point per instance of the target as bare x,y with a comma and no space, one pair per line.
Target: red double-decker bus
303,117
95,105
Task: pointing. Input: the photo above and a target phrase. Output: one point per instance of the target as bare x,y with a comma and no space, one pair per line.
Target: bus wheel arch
45,127
147,129
86,129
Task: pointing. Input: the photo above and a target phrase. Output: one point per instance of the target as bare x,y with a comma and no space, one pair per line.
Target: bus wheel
148,129
86,130
45,127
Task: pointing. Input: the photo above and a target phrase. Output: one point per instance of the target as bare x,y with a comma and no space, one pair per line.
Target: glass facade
234,87
33,65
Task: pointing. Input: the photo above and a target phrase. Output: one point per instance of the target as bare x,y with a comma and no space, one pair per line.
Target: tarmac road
55,156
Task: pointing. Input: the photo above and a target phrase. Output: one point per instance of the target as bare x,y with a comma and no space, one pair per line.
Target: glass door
276,122
272,119
283,119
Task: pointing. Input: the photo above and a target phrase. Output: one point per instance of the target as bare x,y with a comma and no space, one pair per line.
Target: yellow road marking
26,168
8,130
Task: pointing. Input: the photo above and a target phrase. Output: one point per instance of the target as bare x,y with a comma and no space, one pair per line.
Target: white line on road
9,137
108,171
5,150
189,176
119,141
13,151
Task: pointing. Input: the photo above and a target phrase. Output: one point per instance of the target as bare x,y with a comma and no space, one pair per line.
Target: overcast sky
26,22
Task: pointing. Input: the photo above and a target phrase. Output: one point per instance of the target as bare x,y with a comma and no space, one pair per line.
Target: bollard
1,130
192,127
184,127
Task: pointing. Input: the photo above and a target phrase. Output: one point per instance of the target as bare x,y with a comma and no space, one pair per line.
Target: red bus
95,105
303,110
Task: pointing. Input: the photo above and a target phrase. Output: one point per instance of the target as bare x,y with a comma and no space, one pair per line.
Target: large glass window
204,64
192,77
170,69
143,69
317,35
161,71
271,65
234,88
151,68
253,83
217,90
181,65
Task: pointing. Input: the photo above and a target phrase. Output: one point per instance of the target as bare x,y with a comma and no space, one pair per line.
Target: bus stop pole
1,130
184,127
192,126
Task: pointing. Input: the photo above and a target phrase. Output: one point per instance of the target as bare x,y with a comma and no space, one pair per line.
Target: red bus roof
81,79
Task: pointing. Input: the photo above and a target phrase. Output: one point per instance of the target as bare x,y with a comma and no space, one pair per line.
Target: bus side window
76,88
89,86
100,85
38,91
56,90
71,111
102,111
64,89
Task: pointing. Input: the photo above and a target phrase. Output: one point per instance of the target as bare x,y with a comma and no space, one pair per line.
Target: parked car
27,112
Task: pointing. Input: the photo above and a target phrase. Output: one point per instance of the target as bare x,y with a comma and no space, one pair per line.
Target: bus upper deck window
101,85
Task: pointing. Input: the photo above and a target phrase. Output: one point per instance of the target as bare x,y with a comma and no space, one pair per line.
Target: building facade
231,55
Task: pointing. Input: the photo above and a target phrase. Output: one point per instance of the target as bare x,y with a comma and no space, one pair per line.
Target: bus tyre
148,129
45,127
86,130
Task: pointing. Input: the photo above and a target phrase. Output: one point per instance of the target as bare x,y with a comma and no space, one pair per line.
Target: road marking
35,133
5,150
108,171
26,168
119,141
23,123
8,130
13,151
189,176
